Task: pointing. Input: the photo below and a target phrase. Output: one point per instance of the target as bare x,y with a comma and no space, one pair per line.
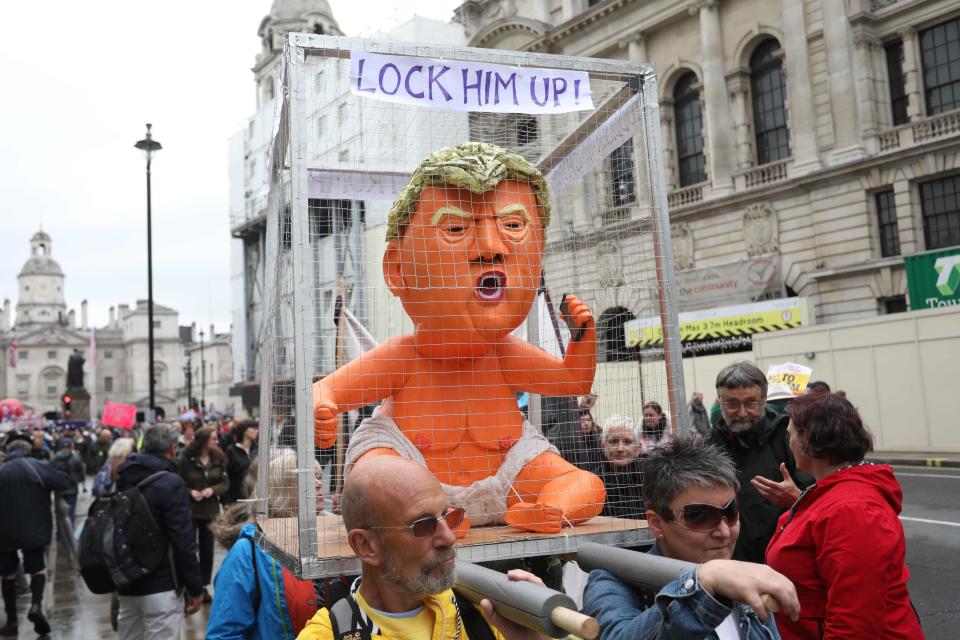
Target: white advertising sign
455,85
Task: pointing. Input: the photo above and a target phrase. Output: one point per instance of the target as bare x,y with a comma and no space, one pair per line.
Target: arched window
689,129
768,91
611,336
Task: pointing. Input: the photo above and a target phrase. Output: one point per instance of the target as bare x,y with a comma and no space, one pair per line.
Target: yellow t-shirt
413,625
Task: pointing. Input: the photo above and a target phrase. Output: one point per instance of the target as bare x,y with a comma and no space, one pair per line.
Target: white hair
618,422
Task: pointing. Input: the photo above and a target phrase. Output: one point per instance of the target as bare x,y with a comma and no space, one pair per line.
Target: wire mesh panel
456,240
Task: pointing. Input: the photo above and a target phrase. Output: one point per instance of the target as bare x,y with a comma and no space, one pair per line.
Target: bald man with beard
400,525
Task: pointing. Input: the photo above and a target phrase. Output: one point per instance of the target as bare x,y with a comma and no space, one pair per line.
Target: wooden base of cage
281,536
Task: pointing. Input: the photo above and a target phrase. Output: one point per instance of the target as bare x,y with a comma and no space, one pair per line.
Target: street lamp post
188,378
203,376
149,146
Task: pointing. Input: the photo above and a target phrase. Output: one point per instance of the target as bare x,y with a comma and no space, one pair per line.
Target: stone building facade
825,133
40,335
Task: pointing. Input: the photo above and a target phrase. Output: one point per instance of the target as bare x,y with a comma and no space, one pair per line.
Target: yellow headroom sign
723,322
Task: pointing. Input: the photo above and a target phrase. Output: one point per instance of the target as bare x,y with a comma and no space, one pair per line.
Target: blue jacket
169,503
680,610
233,615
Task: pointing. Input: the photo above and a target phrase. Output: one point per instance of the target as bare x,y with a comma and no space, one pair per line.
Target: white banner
356,185
454,85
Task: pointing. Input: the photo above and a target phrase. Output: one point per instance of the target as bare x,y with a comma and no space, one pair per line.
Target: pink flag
117,414
13,355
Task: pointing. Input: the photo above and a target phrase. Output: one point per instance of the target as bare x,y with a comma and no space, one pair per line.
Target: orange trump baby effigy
465,241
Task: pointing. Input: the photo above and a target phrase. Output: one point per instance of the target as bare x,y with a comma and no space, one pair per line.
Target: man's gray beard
739,426
423,583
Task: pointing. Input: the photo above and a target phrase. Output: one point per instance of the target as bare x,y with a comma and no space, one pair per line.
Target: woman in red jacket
842,543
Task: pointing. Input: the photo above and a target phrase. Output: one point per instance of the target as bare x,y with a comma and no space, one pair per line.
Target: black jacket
561,426
168,500
758,451
70,464
624,490
25,485
238,463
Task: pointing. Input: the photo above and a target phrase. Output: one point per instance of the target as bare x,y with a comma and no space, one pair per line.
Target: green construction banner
933,278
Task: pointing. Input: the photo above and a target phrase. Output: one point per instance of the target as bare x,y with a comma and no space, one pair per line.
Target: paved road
931,520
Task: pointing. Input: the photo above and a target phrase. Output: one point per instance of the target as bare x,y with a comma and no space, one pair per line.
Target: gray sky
82,79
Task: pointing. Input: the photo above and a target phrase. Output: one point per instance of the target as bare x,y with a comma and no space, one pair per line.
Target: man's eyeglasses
705,517
734,405
423,527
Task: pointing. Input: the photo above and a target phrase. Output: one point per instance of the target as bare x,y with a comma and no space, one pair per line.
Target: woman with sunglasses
842,543
690,490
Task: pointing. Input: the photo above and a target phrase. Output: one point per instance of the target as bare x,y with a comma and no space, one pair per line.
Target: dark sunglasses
423,527
705,517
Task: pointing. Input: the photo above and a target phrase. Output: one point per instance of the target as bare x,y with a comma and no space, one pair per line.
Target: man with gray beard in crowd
401,526
756,438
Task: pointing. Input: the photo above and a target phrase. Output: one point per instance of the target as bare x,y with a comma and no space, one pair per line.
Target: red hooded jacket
843,547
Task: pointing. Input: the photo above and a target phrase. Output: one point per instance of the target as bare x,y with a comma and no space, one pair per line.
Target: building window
897,82
527,131
344,155
621,175
321,127
51,389
318,82
108,384
940,200
23,386
156,324
51,355
612,336
895,304
286,229
23,355
768,92
689,128
108,354
940,52
591,3
887,224
327,217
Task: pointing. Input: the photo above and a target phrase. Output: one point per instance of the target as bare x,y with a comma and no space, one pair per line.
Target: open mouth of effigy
491,286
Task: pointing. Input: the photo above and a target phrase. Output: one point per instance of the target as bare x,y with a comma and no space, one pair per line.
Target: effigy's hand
577,315
325,424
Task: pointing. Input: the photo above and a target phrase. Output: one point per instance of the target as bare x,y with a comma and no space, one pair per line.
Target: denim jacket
680,610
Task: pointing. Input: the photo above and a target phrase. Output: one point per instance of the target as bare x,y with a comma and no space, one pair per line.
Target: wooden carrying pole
532,605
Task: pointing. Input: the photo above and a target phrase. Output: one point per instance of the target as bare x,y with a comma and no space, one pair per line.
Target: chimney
112,319
193,332
212,334
83,315
72,319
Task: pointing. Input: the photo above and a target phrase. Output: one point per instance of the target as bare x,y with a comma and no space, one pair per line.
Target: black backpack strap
346,621
150,478
256,576
476,625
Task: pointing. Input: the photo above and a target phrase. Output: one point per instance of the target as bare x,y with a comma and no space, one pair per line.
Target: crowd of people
790,532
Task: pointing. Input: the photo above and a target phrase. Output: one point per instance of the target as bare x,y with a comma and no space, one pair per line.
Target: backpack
121,541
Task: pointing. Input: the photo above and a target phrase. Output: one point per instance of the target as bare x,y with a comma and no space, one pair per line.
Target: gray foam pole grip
525,603
636,568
